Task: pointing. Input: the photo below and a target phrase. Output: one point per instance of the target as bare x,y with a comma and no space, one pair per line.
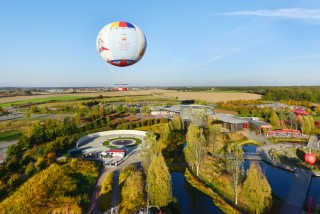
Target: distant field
205,95
211,96
39,100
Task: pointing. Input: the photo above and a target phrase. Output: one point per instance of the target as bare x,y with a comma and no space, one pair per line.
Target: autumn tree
132,193
293,119
256,189
235,167
150,148
196,147
306,125
274,119
159,187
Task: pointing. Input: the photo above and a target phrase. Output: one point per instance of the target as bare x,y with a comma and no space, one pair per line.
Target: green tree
257,189
196,147
293,119
159,182
312,125
235,167
282,117
274,119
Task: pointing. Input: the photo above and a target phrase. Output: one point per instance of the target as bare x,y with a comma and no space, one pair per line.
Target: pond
191,200
279,180
249,148
314,191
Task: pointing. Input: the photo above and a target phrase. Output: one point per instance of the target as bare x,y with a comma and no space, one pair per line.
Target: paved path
296,197
3,148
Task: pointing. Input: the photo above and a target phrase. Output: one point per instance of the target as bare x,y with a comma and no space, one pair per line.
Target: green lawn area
10,135
47,99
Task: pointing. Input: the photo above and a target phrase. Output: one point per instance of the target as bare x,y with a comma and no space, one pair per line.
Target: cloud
218,57
292,13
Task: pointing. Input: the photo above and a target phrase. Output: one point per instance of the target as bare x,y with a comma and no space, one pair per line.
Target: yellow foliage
50,191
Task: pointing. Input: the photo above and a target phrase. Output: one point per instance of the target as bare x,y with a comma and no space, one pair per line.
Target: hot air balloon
121,43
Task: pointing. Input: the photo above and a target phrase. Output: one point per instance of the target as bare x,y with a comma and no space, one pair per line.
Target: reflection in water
280,180
191,201
314,191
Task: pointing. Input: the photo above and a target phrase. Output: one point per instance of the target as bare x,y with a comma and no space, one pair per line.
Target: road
22,116
3,148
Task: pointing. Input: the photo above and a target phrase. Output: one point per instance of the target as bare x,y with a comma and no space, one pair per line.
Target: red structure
121,87
300,111
310,158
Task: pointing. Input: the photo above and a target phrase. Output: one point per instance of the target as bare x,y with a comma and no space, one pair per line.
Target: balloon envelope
121,43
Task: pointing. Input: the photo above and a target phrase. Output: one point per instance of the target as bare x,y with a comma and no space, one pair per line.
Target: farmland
171,94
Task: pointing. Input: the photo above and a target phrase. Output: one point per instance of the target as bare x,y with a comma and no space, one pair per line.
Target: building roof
300,111
228,118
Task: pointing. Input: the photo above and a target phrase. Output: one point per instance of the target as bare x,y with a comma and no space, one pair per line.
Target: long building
229,123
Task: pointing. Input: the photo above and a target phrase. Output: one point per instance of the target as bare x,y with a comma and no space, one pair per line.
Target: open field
211,96
208,96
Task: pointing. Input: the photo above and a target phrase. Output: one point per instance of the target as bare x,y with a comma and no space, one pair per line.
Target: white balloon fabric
121,43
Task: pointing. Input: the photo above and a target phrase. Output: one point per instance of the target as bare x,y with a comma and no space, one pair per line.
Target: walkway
294,202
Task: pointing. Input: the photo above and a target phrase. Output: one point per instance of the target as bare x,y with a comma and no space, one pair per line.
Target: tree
77,118
312,126
282,117
150,148
195,149
235,167
159,182
306,126
274,119
257,189
132,193
293,119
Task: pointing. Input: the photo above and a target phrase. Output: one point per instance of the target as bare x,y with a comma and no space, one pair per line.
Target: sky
52,43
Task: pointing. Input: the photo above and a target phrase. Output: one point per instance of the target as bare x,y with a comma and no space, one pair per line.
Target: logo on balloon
125,42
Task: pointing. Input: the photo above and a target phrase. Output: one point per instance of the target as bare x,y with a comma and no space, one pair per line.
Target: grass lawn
10,135
46,99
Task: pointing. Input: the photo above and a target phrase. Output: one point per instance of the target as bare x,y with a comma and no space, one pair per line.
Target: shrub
14,180
30,170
